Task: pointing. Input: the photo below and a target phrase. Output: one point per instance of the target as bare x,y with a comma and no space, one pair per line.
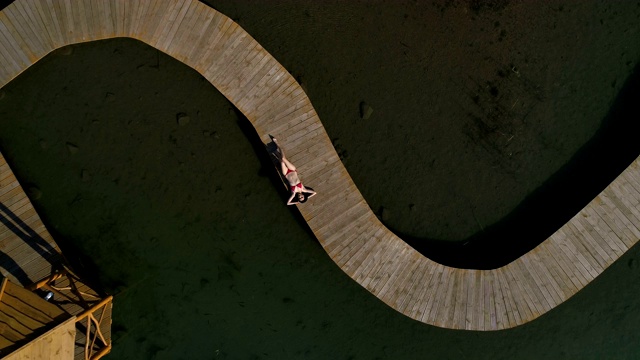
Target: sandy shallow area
154,185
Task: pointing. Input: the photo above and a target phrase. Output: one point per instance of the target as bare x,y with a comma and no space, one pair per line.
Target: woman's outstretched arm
290,201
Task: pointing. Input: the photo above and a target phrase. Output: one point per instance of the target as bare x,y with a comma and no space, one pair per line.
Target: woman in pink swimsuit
298,191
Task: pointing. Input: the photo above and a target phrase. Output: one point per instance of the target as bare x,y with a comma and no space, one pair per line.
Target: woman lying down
299,193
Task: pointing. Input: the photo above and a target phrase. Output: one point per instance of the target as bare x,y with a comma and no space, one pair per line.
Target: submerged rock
34,193
182,119
66,51
85,175
365,110
72,148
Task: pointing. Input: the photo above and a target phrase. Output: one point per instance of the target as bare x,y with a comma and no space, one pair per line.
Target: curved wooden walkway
339,216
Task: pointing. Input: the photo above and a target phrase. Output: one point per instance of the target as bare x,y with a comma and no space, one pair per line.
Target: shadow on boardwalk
14,259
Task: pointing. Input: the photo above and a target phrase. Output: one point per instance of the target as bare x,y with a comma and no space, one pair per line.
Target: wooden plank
254,68
609,238
402,274
421,307
139,18
169,18
353,264
334,244
235,42
59,341
375,257
14,195
235,68
35,24
370,266
581,264
180,44
391,268
436,300
18,25
67,24
415,294
573,241
613,213
522,302
272,83
151,18
590,240
10,59
29,322
446,314
560,281
254,87
510,315
531,289
119,15
288,95
620,204
328,221
403,295
490,316
79,18
108,19
569,264
56,29
461,305
225,29
626,199
131,10
282,105
214,23
47,22
352,242
17,46
623,232
632,177
627,189
539,283
296,121
502,319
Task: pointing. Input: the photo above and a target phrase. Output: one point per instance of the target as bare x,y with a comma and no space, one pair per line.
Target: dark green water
184,225
205,260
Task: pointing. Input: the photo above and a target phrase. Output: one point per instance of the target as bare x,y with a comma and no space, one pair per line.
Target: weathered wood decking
29,257
353,237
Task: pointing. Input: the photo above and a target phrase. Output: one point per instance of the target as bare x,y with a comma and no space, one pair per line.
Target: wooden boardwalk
272,100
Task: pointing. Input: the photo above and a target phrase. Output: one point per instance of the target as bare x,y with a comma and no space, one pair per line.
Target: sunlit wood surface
242,70
24,316
27,250
56,344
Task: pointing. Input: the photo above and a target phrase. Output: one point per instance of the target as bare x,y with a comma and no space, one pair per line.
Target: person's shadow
44,249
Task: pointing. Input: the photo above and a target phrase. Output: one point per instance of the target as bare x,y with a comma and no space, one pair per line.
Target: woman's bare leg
288,164
284,163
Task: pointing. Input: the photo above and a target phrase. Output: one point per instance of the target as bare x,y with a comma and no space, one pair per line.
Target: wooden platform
339,216
24,317
29,257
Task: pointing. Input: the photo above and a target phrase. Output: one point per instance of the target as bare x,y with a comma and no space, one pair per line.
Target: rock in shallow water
72,148
85,175
182,119
34,193
365,110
